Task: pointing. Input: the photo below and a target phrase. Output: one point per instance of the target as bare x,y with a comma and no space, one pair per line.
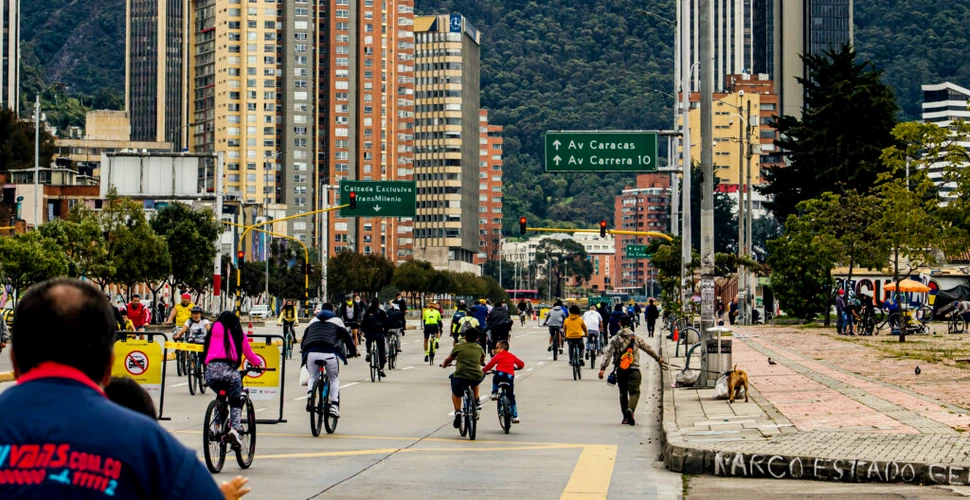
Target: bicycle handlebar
256,369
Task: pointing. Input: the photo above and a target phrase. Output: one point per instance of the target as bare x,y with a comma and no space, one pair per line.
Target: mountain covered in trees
546,65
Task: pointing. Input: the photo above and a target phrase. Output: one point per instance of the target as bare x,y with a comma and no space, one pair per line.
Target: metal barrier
122,336
282,376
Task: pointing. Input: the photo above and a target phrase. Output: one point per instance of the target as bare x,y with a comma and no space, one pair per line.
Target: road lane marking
455,439
261,409
592,474
407,368
183,384
301,398
344,386
384,451
530,369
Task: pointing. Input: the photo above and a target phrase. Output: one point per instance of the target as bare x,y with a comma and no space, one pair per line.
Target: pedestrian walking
840,312
624,352
652,314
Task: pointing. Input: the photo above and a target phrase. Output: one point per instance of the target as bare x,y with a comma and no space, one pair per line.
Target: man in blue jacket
59,434
480,312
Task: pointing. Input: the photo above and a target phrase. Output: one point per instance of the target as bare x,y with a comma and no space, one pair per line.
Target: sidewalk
824,411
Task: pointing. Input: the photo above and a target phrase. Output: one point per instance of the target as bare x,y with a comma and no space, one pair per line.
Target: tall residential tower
10,52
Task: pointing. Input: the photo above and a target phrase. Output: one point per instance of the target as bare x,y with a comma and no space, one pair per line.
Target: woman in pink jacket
222,361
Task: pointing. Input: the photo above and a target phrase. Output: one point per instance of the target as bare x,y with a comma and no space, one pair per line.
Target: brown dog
736,380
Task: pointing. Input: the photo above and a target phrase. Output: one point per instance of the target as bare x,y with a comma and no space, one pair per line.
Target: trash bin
719,362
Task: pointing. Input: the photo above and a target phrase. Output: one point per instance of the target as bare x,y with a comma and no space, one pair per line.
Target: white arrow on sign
556,159
377,208
557,144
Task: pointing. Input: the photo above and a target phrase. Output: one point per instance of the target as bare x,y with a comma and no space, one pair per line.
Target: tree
30,258
492,267
725,217
349,272
668,261
801,264
846,123
564,257
80,238
191,236
17,143
764,229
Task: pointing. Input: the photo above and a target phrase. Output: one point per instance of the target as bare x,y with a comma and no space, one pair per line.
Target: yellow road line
591,476
384,451
6,377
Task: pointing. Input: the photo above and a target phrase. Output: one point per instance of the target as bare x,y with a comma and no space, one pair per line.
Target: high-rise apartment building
234,77
943,104
644,207
10,53
156,83
446,142
365,117
296,179
490,195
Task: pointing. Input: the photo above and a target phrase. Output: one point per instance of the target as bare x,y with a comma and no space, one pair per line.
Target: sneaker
549,349
515,420
235,441
626,420
457,422
582,363
630,419
494,396
367,358
382,374
425,358
399,351
478,406
309,404
560,351
334,410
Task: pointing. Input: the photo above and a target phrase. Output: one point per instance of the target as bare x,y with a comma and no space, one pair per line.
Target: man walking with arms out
624,351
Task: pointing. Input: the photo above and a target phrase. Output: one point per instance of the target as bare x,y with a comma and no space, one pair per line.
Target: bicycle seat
320,362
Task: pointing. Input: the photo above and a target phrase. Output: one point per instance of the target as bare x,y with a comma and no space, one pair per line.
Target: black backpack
370,321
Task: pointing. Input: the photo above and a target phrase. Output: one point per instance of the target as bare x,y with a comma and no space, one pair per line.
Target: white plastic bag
304,376
687,378
721,388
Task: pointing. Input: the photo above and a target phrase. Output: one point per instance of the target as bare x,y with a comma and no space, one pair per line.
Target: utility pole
686,282
37,196
706,70
217,276
673,144
749,277
742,123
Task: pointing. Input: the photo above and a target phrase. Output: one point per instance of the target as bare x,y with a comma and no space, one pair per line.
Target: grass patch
685,484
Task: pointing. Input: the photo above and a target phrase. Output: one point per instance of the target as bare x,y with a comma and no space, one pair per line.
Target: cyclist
614,323
431,320
373,324
222,360
554,319
196,326
505,364
126,323
594,325
182,311
138,313
498,325
469,358
461,312
349,312
576,331
396,323
288,319
324,339
523,309
479,311
961,310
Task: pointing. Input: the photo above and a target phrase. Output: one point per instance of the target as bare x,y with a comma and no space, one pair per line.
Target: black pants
628,381
651,326
381,346
496,335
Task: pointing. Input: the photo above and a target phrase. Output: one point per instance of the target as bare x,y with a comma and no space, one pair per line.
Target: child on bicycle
223,356
575,330
196,326
468,357
505,364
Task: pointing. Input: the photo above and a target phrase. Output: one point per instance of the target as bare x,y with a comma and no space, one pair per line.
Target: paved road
395,437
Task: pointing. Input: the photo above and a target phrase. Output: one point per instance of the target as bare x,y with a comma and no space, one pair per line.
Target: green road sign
636,252
607,151
379,198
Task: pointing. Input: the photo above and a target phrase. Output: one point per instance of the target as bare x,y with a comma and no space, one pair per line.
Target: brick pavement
828,410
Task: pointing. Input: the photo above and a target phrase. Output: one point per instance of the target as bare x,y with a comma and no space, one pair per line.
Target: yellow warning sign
140,360
264,385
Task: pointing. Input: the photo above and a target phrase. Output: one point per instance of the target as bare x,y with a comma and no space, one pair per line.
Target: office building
644,207
365,117
528,275
490,195
944,103
446,142
10,53
156,91
105,131
731,138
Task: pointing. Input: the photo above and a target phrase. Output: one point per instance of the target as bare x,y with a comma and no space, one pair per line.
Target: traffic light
521,225
602,229
240,257
353,200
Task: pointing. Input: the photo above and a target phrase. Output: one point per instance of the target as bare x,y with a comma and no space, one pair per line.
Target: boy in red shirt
505,364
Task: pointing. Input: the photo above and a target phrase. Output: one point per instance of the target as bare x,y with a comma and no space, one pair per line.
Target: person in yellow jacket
288,319
575,329
431,319
182,311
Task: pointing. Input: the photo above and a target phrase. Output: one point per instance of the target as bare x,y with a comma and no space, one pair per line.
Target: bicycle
556,333
319,407
215,437
574,360
179,356
195,370
391,345
592,348
289,338
867,325
503,406
521,318
432,346
954,324
469,414
375,363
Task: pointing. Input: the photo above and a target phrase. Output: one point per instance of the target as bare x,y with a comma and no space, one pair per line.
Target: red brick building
490,193
644,207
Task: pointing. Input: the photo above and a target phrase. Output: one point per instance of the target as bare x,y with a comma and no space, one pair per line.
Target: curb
679,456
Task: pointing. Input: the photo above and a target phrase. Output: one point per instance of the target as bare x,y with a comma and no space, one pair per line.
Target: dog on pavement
736,380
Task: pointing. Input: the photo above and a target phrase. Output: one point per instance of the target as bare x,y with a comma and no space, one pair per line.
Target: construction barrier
269,384
144,362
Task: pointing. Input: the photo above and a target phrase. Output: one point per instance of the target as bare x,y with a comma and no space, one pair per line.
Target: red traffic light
240,255
602,229
521,225
353,199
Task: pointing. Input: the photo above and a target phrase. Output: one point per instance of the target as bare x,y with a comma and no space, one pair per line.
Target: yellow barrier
183,346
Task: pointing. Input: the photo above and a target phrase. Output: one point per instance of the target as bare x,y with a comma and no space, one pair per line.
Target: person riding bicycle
431,320
505,363
464,324
222,359
961,310
479,311
554,320
196,326
615,317
576,331
288,319
497,326
461,312
182,311
523,309
373,324
469,358
631,311
594,325
396,323
325,339
349,312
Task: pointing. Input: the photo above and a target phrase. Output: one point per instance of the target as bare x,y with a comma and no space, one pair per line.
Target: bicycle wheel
179,361
504,413
246,452
555,348
190,371
431,352
591,349
329,421
924,314
374,363
472,415
391,355
316,406
200,377
213,445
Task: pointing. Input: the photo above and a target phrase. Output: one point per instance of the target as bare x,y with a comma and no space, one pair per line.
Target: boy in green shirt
469,358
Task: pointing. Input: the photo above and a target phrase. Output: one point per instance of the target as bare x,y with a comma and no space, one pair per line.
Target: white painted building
943,104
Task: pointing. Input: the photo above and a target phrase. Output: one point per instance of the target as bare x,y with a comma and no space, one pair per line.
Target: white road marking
301,398
530,369
344,386
407,368
542,363
260,409
183,384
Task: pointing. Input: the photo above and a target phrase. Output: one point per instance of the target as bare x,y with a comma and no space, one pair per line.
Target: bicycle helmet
461,304
196,309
